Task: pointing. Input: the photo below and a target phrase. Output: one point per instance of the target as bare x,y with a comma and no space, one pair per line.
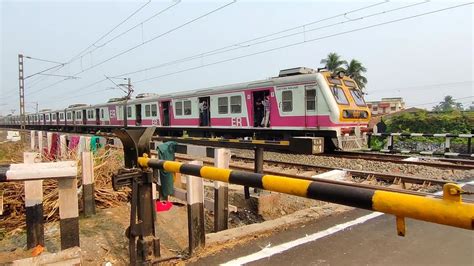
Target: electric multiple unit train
300,101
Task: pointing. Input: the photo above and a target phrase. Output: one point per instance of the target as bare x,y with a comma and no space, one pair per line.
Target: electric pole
21,83
129,94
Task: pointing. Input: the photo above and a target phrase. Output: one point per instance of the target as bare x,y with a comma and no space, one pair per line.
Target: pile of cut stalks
106,162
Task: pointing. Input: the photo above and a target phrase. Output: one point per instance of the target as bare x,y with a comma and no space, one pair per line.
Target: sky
421,59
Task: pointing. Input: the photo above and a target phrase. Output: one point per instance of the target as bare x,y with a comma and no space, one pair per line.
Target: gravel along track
366,165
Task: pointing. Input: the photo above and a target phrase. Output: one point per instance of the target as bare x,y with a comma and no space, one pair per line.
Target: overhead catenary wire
301,42
79,55
430,103
242,44
425,86
141,44
109,32
309,40
233,46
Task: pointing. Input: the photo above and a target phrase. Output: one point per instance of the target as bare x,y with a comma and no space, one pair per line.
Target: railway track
444,163
427,184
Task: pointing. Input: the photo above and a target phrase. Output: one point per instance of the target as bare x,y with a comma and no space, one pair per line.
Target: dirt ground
103,235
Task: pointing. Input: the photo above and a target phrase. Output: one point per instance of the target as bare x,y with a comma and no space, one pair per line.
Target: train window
129,111
78,115
120,113
311,100
334,81
61,116
54,116
339,95
147,110
350,83
236,104
102,113
223,105
68,116
179,108
90,114
187,107
154,110
46,117
358,97
287,101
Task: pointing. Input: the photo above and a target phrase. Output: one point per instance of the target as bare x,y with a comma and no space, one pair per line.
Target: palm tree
333,62
354,70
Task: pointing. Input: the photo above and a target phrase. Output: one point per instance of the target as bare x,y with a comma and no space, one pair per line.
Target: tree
448,105
354,70
333,62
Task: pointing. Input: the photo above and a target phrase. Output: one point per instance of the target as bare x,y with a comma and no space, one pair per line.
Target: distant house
386,106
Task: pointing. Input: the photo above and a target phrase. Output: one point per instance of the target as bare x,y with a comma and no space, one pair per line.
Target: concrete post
34,207
221,192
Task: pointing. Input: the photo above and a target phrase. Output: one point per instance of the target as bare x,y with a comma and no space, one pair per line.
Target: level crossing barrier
450,210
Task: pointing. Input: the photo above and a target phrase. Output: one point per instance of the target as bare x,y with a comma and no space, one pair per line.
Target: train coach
298,102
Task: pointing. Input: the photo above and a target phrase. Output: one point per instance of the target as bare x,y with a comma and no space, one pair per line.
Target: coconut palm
354,70
333,62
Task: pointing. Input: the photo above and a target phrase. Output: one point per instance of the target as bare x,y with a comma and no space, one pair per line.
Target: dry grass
106,162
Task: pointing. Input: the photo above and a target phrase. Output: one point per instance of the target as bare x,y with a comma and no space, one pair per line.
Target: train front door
204,111
166,113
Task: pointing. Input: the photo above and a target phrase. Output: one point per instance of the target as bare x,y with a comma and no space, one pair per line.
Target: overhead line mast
21,83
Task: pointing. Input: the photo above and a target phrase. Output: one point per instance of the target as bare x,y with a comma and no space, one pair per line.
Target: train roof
274,81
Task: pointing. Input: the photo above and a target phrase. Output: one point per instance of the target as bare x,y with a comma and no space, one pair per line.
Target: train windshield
357,96
339,95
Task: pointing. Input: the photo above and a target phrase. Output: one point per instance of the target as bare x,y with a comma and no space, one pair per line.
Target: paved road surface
373,242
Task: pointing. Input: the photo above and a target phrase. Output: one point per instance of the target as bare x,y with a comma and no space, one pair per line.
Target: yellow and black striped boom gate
448,210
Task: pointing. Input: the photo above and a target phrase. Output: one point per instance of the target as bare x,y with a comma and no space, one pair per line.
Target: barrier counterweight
448,211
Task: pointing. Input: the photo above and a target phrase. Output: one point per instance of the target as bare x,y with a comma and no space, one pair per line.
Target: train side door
97,116
204,111
138,114
310,106
84,117
166,113
259,107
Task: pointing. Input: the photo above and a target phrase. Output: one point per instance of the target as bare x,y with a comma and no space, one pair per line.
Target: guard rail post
221,192
88,183
195,206
447,144
34,206
40,143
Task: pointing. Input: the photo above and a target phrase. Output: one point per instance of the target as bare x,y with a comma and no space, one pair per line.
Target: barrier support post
88,183
447,145
469,146
34,207
68,213
221,192
195,201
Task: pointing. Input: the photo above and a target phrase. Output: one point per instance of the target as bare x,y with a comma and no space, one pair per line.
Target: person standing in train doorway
266,107
258,113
